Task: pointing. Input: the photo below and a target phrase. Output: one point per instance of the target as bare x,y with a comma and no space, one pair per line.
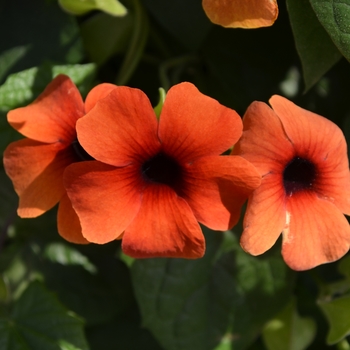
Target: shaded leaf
80,7
50,33
334,15
104,36
316,50
21,88
289,331
10,57
192,304
337,313
38,321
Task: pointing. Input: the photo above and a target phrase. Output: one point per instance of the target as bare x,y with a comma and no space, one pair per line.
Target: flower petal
164,227
241,13
318,232
52,116
68,222
121,129
264,142
97,93
216,187
265,217
36,170
320,140
105,198
193,125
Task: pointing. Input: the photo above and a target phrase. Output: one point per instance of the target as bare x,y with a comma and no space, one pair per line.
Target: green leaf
21,88
38,321
105,36
334,15
80,7
337,313
10,57
316,50
159,106
289,331
51,33
192,304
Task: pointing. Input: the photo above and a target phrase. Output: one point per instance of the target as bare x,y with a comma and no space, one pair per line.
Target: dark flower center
298,175
162,169
79,151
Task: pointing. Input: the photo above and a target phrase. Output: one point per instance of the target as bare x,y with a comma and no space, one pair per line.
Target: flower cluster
120,172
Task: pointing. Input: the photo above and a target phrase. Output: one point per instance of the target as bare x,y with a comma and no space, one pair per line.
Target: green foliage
288,331
38,321
315,48
80,7
21,88
335,16
94,296
192,304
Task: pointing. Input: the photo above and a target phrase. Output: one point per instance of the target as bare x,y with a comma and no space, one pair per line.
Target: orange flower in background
154,180
241,13
305,187
36,164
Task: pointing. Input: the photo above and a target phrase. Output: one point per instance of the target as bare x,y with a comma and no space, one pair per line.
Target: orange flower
241,13
153,180
36,164
302,158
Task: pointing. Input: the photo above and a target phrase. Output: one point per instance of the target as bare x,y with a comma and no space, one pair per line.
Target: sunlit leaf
80,7
316,50
21,88
159,106
334,15
288,331
38,321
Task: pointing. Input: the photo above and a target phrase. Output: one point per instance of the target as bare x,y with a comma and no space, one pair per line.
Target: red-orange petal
216,187
121,128
265,216
97,93
264,142
241,13
68,223
36,170
52,116
194,125
322,142
318,232
105,198
164,227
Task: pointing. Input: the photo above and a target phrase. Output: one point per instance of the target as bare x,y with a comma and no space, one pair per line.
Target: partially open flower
305,189
154,180
241,13
36,164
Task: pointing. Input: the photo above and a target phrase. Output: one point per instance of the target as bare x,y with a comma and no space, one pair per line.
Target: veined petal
36,170
97,93
194,125
164,227
322,142
264,142
216,187
241,13
105,198
318,232
68,222
52,116
121,128
265,217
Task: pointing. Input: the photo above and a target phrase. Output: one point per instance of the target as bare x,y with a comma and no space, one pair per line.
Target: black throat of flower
163,169
79,151
299,174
